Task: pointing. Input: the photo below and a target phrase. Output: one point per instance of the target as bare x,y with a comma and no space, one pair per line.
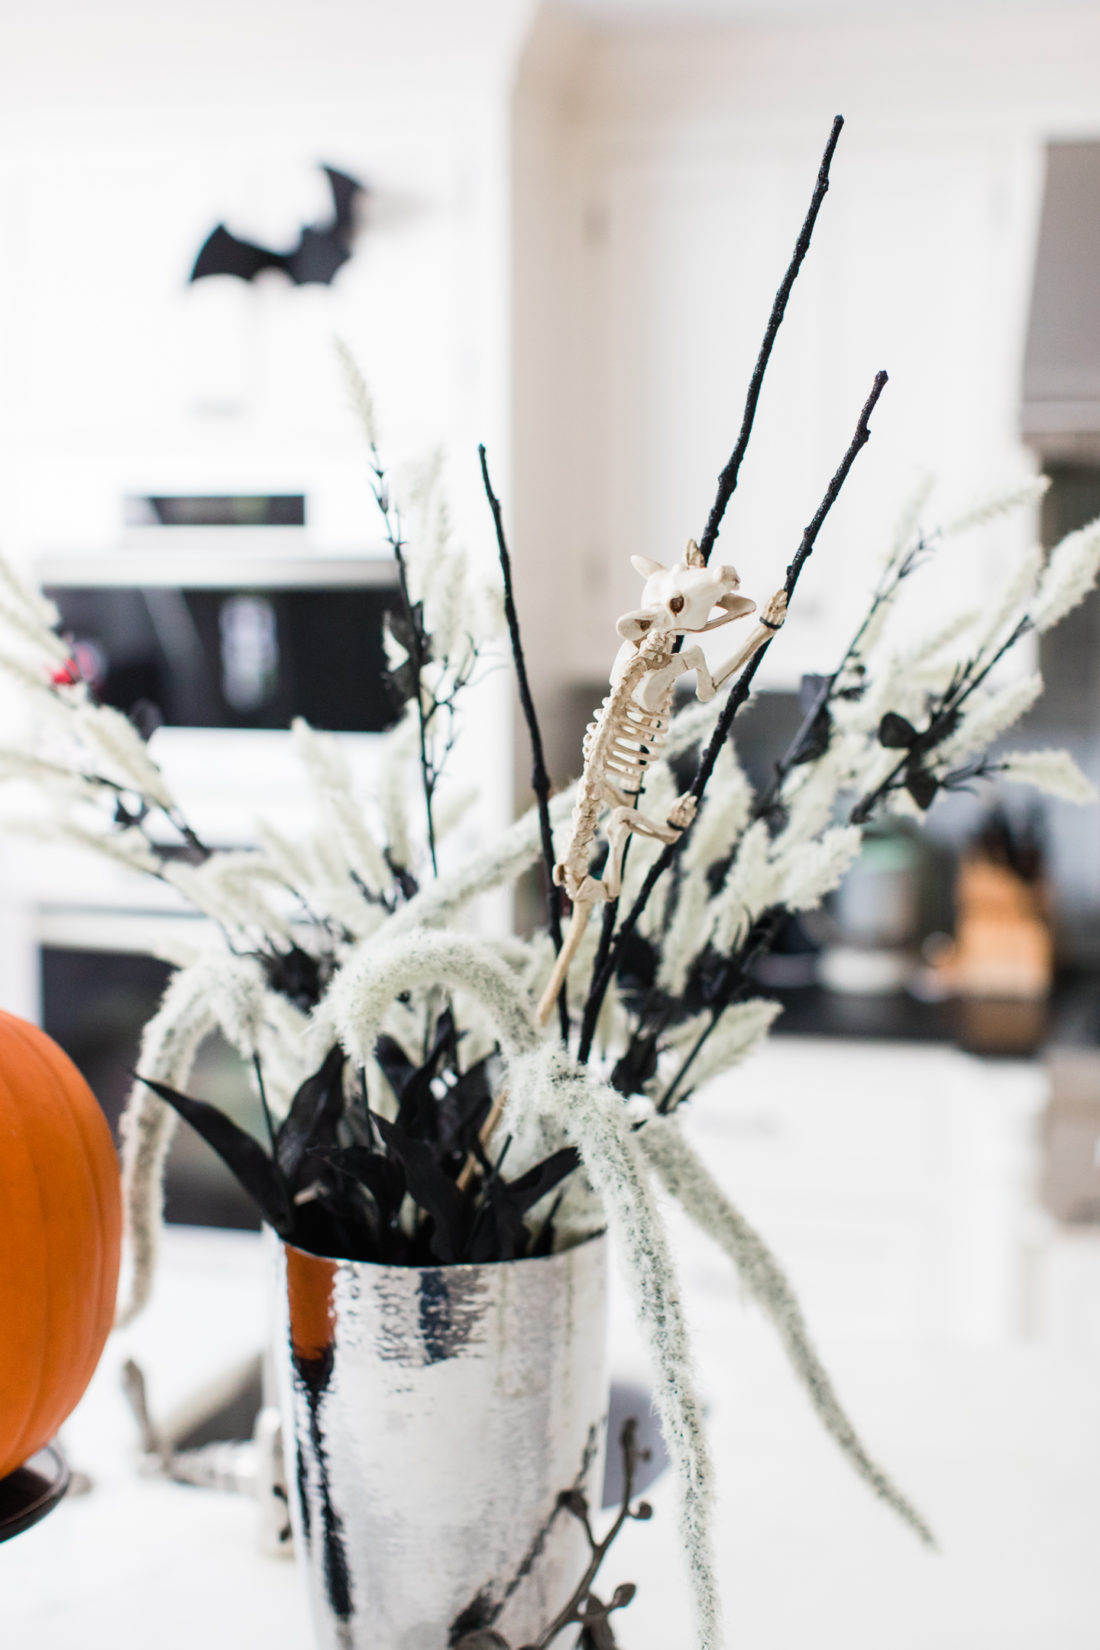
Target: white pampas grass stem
355,1005
985,717
594,1119
1070,574
1052,771
1020,496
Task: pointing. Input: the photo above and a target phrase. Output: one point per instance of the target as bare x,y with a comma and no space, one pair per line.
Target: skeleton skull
680,599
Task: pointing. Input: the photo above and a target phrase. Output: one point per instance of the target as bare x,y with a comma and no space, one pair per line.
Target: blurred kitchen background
575,219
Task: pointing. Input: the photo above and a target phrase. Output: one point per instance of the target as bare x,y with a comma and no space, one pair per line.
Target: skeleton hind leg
623,823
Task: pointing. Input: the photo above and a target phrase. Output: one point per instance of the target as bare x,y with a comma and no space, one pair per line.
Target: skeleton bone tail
582,910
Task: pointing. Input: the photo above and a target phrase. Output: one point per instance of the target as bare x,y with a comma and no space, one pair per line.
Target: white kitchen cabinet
896,1181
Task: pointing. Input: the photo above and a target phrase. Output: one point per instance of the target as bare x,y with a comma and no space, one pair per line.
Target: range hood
1061,399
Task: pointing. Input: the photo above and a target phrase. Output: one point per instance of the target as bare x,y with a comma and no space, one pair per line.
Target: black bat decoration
322,249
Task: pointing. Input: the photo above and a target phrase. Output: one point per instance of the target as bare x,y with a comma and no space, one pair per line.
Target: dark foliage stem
571,1612
761,939
939,726
397,545
898,570
540,779
739,693
727,481
272,1134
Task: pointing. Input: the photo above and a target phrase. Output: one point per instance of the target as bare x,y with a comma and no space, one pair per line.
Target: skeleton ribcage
630,738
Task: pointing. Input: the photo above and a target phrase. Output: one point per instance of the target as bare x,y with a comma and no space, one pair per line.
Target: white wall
691,153
126,131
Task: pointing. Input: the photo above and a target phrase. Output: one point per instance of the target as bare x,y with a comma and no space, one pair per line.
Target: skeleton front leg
771,620
625,822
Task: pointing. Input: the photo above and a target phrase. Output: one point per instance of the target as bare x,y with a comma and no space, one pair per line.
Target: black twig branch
727,484
727,481
734,986
942,721
417,640
740,691
901,565
540,779
583,1609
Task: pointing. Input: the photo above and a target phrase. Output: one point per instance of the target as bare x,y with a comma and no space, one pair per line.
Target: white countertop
995,1438
999,1447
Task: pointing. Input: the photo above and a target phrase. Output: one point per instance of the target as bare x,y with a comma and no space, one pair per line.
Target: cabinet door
896,1181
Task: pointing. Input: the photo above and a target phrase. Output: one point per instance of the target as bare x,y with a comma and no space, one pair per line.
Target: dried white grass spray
594,1119
1052,771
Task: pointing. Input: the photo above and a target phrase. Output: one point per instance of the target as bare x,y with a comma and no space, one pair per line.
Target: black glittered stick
727,481
540,779
740,691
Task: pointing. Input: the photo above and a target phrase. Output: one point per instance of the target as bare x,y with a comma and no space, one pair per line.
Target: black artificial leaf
241,1154
622,1595
402,680
543,1241
336,1221
815,741
295,975
410,635
856,689
462,1109
528,1189
775,816
417,1110
940,727
403,877
310,1124
811,690
430,1189
921,785
383,1178
127,816
396,1066
407,627
710,981
962,779
896,732
498,1233
637,970
634,1069
813,695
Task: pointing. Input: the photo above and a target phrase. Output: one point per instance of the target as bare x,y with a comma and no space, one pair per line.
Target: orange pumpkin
60,1238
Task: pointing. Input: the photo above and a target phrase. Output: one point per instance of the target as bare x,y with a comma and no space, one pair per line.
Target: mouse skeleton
629,729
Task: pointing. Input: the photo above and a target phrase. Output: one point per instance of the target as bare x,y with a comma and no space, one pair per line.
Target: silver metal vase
431,1416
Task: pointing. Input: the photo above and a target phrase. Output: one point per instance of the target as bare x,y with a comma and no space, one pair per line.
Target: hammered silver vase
431,1416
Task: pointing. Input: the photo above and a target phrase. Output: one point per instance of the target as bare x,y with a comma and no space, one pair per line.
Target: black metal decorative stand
31,1491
